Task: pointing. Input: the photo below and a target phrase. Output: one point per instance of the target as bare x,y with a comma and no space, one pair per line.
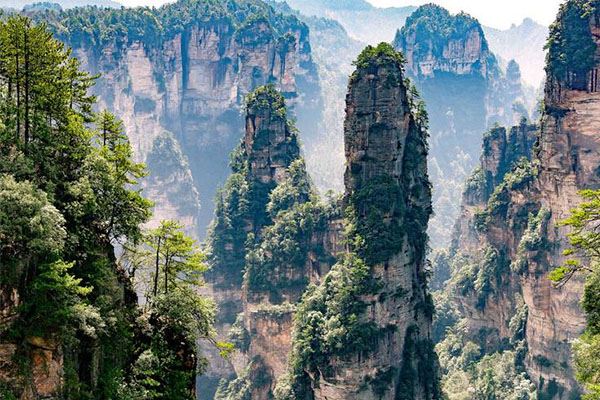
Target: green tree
171,266
113,173
176,258
584,238
68,193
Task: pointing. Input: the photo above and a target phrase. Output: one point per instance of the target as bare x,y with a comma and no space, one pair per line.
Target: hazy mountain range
524,42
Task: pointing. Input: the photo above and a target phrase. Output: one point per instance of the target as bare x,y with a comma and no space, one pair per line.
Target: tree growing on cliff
176,259
585,248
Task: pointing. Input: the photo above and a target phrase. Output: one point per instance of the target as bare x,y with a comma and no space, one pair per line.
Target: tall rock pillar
364,333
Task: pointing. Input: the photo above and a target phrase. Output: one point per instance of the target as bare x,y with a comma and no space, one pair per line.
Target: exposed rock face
364,333
187,80
270,238
465,91
466,53
47,364
519,222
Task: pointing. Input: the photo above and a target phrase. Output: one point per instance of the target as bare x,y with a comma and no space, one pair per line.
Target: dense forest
70,307
296,294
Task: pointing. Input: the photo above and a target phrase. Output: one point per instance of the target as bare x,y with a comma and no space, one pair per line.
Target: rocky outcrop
465,91
463,50
364,332
518,225
186,78
271,237
46,363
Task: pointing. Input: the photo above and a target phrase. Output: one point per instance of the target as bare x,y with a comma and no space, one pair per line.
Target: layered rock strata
185,80
270,239
465,91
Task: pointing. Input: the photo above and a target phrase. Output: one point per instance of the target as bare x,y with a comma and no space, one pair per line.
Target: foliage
583,258
296,188
297,216
587,353
266,98
328,320
174,256
175,316
433,27
478,275
584,238
168,164
67,197
534,240
30,227
378,200
285,246
238,335
471,375
381,55
571,47
476,183
102,27
244,205
521,175
418,367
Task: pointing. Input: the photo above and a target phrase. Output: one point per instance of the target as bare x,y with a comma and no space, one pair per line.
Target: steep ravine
271,237
465,92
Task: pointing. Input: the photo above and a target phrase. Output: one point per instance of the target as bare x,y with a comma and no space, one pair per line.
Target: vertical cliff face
182,71
270,238
465,91
518,225
364,332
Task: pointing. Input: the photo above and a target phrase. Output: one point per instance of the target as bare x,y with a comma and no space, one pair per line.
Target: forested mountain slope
70,323
364,332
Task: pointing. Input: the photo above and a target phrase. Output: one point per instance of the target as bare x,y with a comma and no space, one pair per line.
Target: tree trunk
27,84
157,271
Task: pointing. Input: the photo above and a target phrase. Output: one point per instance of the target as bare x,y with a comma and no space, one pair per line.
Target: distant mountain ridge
525,44
20,4
353,14
465,91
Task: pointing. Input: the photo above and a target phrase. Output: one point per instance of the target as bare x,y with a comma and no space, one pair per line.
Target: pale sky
494,13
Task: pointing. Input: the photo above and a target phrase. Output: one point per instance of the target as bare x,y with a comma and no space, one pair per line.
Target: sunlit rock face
510,227
379,286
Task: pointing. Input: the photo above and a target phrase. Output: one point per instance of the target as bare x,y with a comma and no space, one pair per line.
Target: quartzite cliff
464,90
365,331
509,235
271,237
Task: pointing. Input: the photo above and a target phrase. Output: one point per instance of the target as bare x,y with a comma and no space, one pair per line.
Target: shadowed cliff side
465,92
